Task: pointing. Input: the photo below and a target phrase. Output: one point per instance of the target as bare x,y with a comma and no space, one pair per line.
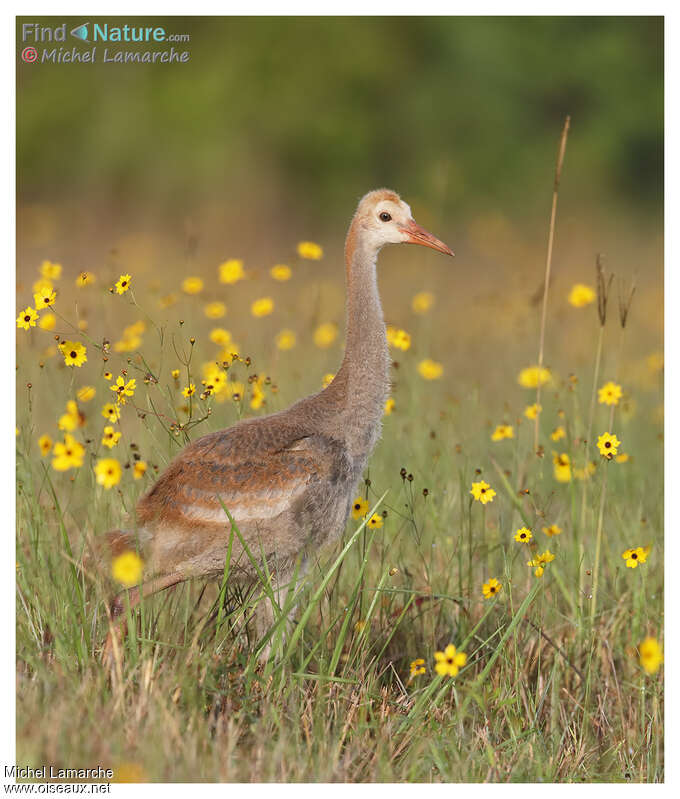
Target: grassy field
553,687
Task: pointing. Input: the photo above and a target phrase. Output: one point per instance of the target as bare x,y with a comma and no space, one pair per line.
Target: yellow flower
390,405
532,411
231,271
42,283
257,400
623,457
85,279
123,284
123,389
422,302
635,556
327,379
398,338
214,378
281,272
417,667
552,530
609,394
325,334
111,412
309,250
175,374
50,271
375,522
655,361
359,508
285,340
430,370
86,393
44,298
45,444
189,390
220,336
131,339
449,662
608,445
215,310
130,772
491,588
139,469
27,318
108,472
47,321
127,568
110,437
72,418
262,306
503,431
533,376
107,376
581,295
562,467
558,433
192,285
523,535
651,655
482,492
539,562
168,300
68,454
75,353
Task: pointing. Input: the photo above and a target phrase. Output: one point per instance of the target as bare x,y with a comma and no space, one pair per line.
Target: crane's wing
258,471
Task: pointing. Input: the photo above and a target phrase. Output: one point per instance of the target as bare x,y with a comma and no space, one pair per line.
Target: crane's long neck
363,376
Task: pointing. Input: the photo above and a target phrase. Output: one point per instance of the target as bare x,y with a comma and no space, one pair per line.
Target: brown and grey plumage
287,479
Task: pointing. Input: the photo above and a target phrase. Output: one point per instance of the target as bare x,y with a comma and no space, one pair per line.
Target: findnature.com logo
93,32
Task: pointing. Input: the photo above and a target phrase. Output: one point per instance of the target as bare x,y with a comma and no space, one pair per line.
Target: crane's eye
385,217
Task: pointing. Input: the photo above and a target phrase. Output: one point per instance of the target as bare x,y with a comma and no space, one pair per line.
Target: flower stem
598,548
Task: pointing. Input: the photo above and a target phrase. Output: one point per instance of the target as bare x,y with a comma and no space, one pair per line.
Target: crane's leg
266,615
118,626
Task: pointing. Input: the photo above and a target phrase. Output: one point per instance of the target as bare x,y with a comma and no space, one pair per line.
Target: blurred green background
465,112
276,126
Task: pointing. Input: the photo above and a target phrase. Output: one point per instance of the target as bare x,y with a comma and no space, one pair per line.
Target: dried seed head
625,300
603,285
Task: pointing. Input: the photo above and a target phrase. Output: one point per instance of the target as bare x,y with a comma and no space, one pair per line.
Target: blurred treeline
464,112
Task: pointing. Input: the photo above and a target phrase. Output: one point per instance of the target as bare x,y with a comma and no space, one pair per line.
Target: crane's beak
418,235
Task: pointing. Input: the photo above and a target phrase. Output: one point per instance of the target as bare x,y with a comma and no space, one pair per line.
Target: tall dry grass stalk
603,285
548,262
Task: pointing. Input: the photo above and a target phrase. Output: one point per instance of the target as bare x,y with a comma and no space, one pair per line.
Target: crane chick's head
385,218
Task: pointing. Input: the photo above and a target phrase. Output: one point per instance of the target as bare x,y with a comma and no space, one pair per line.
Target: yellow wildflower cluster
398,338
539,562
131,338
449,662
482,492
503,431
533,376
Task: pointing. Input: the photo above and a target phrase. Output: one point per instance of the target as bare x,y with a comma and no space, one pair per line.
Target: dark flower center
484,491
608,443
27,318
634,555
73,354
492,589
